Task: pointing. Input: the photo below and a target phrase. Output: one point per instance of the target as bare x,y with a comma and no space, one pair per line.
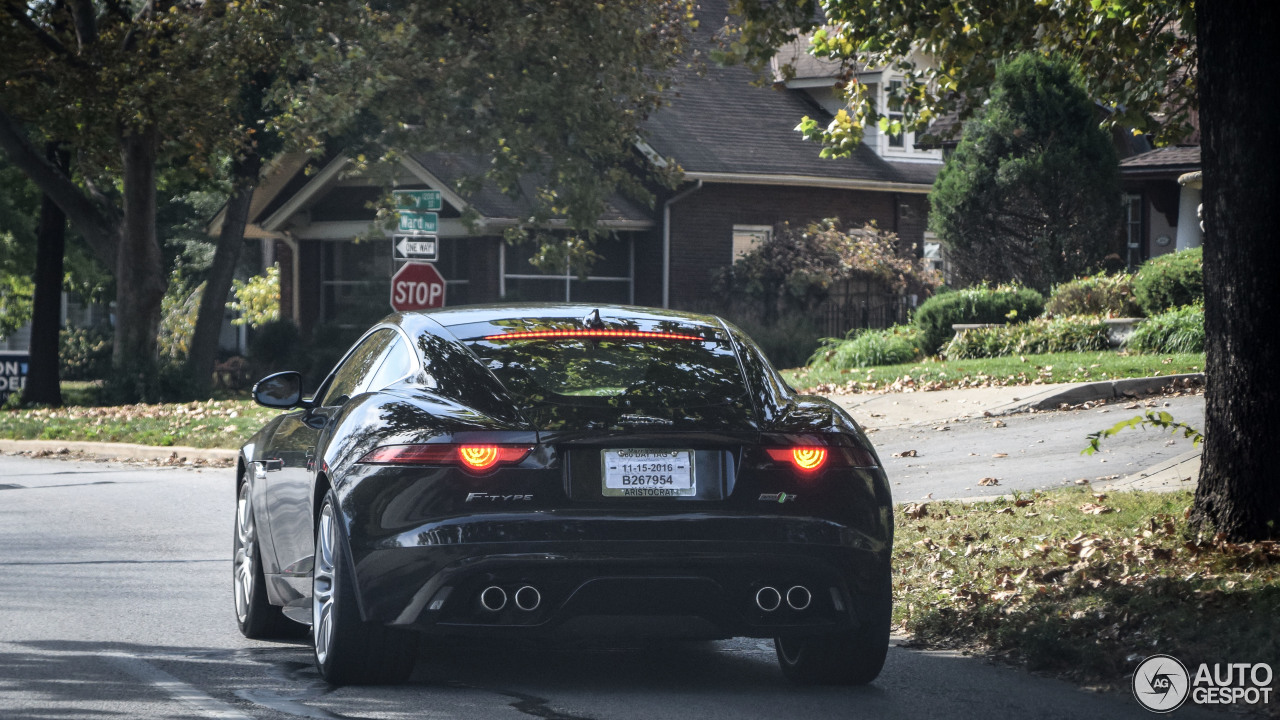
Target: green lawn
935,374
1081,584
209,424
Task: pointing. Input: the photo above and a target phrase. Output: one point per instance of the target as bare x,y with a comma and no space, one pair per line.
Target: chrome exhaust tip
798,597
528,598
768,599
493,598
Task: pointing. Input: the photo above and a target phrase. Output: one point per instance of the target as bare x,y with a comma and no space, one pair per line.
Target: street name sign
415,247
418,199
412,221
417,286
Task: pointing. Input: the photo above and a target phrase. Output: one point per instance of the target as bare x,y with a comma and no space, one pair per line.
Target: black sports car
557,470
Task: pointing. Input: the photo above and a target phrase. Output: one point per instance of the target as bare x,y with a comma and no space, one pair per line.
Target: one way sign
414,247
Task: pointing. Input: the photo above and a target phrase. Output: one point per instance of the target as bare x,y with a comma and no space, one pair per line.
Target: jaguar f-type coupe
561,471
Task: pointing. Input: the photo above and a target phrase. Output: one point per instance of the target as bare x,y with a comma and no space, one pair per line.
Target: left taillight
809,459
472,457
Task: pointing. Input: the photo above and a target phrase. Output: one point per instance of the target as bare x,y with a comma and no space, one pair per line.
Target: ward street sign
418,199
412,221
414,247
417,286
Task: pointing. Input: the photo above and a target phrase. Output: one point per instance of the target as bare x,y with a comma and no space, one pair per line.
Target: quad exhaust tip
528,598
493,598
768,598
798,597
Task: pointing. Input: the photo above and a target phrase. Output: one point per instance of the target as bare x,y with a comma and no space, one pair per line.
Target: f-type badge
491,497
777,497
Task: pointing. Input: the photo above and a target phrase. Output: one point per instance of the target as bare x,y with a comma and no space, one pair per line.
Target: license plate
648,473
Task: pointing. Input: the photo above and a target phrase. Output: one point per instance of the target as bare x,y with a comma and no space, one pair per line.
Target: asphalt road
1026,451
115,603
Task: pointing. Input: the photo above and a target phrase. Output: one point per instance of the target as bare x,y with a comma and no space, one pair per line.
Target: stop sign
416,286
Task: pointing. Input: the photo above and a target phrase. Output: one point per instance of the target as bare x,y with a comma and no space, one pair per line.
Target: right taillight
809,459
472,457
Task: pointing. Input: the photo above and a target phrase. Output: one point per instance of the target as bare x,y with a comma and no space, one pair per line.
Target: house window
355,279
1133,228
747,237
611,279
897,141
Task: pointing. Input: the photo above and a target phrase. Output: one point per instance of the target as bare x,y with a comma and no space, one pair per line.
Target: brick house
746,169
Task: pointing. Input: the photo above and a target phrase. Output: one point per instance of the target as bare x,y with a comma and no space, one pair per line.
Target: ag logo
777,497
1161,683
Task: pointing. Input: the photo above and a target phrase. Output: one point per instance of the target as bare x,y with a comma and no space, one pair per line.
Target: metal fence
839,315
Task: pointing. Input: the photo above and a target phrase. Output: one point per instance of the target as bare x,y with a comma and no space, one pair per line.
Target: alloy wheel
322,583
246,546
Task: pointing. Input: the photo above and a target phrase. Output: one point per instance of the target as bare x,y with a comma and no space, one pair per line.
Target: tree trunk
204,341
1238,494
43,381
140,275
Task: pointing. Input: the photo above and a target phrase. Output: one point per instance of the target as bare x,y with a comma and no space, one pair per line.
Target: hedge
982,304
1170,281
1037,337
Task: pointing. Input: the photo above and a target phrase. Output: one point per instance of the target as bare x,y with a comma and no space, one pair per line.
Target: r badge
777,497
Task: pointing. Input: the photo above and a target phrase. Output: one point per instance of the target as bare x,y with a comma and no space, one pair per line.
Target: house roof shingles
719,122
1171,158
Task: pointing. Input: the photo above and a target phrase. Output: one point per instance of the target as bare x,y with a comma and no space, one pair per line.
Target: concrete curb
122,451
1108,390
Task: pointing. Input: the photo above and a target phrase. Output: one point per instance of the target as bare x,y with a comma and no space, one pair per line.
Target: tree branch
52,43
97,223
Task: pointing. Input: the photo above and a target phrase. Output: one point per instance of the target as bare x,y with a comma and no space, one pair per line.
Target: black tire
348,650
257,617
852,657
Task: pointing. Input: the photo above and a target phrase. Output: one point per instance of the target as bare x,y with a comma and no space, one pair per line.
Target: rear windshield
643,372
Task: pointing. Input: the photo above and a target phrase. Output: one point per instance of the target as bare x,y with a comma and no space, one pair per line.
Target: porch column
1189,234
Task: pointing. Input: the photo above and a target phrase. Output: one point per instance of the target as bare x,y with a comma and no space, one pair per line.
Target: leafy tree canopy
1032,193
1136,56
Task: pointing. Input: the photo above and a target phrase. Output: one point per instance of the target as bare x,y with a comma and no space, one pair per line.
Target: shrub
1170,281
274,346
891,346
787,343
1037,337
1101,294
85,353
980,304
1180,330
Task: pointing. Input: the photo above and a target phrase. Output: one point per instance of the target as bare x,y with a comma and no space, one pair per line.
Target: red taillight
595,334
476,458
804,458
811,458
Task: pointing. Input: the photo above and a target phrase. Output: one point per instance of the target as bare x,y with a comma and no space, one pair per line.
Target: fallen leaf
906,454
989,481
998,423
999,455
1005,511
1023,502
1082,481
915,511
1092,509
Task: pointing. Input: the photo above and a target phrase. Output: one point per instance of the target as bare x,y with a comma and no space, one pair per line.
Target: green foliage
1152,418
975,305
868,348
796,269
16,292
1037,337
1180,330
1101,294
1137,58
178,311
1032,193
258,300
85,353
1170,281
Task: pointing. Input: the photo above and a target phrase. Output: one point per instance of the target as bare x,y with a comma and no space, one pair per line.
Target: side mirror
280,390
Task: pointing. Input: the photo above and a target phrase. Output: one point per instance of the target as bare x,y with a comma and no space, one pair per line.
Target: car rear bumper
680,575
